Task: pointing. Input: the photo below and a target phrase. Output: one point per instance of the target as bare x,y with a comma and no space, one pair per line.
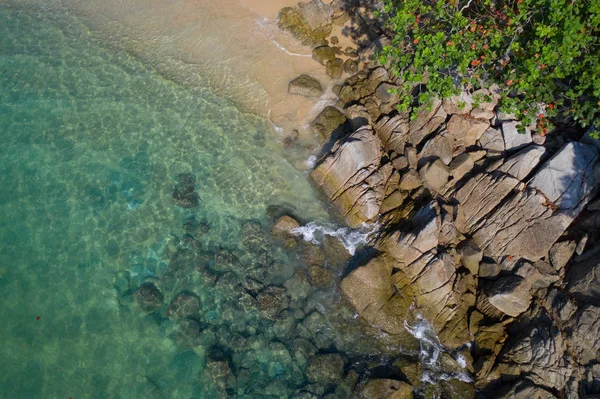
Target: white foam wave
351,239
429,355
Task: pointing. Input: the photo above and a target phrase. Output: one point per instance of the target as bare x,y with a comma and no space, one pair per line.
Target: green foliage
543,54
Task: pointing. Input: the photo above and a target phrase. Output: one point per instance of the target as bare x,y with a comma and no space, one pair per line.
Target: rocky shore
488,236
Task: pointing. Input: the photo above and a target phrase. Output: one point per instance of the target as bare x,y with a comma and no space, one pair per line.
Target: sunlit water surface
91,144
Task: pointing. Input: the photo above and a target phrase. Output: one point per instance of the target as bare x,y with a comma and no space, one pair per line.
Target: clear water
91,142
91,145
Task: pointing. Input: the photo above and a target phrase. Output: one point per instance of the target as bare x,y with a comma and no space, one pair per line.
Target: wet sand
234,46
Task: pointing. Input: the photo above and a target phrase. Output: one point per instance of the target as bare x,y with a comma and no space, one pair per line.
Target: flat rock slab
525,226
567,179
514,140
351,176
522,163
481,194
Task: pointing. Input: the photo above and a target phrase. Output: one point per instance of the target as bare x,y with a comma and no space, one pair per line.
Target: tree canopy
542,54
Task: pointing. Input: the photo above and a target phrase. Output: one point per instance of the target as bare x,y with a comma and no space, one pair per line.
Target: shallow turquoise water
91,143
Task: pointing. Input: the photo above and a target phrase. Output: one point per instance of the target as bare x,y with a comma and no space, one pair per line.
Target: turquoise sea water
91,144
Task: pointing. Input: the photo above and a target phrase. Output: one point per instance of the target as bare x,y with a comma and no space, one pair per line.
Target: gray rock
323,54
522,163
305,85
522,389
525,226
440,147
385,93
481,194
489,269
465,130
585,339
352,178
567,179
335,68
434,175
514,140
510,295
584,280
426,122
539,352
558,304
330,122
461,165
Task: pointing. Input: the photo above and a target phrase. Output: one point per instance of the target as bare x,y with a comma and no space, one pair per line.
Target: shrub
543,54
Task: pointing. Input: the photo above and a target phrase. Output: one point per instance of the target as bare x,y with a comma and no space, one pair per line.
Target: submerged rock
184,194
381,388
325,369
148,297
183,306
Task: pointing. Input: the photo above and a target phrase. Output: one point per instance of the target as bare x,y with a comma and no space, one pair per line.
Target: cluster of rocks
260,309
488,233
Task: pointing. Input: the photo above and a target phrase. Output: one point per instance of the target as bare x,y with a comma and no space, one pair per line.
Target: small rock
334,40
489,269
512,138
510,295
350,66
320,277
325,369
282,229
335,68
561,253
400,163
183,306
465,130
305,85
310,254
410,180
148,297
471,256
323,54
434,175
351,52
330,122
411,155
385,389
461,165
492,140
461,104
271,302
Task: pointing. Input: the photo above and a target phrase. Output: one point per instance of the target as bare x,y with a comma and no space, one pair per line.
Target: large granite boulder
352,177
426,122
511,295
310,23
513,140
539,352
532,220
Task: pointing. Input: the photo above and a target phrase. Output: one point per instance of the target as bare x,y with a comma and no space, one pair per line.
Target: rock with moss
310,23
306,86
